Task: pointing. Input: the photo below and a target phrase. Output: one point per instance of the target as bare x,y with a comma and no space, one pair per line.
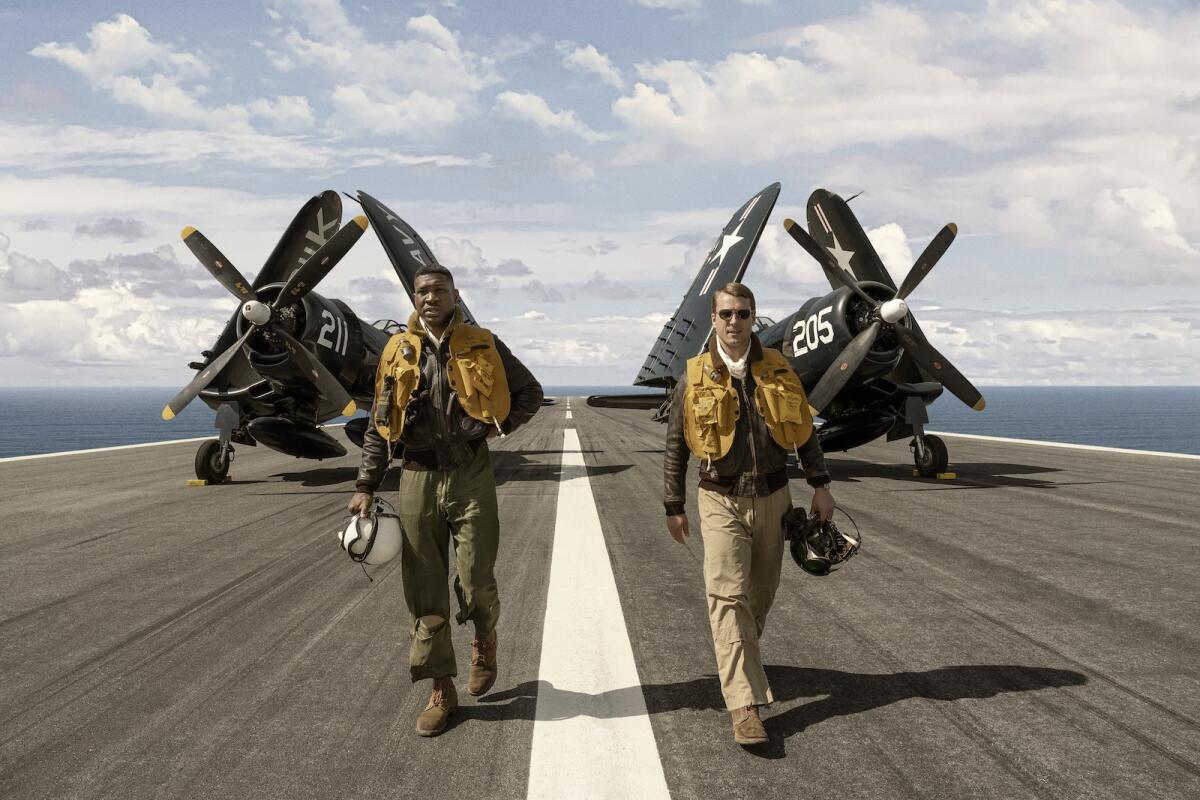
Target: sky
573,163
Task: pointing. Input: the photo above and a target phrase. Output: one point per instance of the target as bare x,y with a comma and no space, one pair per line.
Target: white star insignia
727,241
843,256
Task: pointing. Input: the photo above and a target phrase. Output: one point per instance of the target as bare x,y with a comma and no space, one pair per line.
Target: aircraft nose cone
256,313
893,310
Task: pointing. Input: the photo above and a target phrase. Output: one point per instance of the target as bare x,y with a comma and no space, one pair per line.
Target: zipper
752,412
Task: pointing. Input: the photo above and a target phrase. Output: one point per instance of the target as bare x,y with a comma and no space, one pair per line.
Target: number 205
812,332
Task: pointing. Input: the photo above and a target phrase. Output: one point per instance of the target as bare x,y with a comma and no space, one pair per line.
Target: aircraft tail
688,330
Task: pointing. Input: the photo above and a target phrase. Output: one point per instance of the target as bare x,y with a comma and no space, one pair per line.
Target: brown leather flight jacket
755,464
438,433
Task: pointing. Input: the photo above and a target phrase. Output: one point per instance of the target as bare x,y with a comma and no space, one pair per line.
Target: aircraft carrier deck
1029,629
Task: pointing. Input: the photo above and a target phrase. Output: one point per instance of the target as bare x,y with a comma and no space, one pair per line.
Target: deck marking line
1069,445
568,414
591,732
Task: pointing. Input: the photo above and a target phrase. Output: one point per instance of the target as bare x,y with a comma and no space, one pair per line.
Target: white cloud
428,80
590,61
532,108
891,243
119,47
379,110
1139,347
669,5
43,147
537,316
573,167
285,112
1072,121
566,353
125,60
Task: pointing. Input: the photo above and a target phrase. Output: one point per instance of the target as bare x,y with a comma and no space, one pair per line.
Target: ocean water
1137,417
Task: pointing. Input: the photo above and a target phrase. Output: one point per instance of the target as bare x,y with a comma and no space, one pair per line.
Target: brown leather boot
442,704
483,664
747,727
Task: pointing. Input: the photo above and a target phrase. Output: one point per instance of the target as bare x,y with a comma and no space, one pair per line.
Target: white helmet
373,539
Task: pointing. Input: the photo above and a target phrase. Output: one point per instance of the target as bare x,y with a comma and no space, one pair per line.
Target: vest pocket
478,375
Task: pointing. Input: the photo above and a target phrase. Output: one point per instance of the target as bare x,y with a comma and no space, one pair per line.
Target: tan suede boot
747,727
442,703
483,664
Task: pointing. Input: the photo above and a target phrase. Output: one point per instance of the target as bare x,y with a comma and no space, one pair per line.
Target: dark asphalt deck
1026,630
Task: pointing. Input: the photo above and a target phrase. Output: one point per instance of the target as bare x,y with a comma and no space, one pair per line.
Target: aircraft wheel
936,459
210,466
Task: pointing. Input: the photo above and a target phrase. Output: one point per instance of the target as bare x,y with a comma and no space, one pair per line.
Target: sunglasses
727,313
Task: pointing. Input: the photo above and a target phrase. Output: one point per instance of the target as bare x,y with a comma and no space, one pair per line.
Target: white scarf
736,368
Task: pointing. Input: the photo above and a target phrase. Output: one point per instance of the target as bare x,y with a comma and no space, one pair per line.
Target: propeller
259,315
318,265
889,313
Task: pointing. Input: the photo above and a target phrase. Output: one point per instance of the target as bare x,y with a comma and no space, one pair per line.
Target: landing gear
929,455
212,461
214,456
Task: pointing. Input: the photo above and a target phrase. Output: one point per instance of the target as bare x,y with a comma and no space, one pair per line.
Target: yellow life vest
475,372
711,408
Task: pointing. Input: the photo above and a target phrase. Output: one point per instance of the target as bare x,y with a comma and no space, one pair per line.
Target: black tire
936,459
209,464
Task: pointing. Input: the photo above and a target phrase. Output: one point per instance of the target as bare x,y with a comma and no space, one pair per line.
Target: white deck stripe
1069,445
568,413
127,446
591,733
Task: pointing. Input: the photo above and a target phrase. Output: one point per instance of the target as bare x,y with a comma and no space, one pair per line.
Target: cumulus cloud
38,224
600,286
423,82
126,230
125,60
540,292
1044,122
588,60
566,353
572,167
1096,347
533,108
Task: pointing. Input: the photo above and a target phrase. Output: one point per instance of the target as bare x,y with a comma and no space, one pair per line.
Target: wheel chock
941,476
197,482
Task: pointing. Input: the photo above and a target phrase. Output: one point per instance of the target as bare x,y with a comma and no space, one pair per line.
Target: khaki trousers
743,551
437,508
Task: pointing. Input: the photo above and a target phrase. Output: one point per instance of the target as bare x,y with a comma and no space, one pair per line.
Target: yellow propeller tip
168,414
788,223
186,232
980,405
953,228
361,221
349,409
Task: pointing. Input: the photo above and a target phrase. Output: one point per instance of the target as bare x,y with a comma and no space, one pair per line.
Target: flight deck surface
1028,629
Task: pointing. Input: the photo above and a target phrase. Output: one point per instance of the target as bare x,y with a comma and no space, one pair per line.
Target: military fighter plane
290,359
866,366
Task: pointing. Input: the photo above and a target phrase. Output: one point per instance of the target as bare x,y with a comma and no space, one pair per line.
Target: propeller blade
203,378
322,378
942,370
843,367
216,263
933,251
318,265
825,259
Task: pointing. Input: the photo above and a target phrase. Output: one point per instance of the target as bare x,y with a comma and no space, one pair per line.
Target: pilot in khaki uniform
740,409
441,396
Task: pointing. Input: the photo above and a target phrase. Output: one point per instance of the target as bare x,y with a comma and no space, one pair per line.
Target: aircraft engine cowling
815,335
344,344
